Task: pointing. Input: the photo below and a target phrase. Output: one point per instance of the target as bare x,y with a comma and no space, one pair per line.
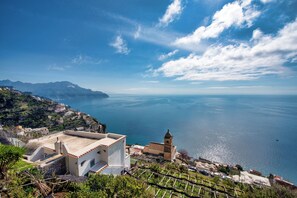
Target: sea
256,131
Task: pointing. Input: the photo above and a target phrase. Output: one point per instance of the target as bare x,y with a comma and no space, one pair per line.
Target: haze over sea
258,132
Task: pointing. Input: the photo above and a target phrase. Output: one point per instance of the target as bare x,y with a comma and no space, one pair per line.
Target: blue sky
153,47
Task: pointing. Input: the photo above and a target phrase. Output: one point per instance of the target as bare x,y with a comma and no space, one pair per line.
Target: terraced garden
171,180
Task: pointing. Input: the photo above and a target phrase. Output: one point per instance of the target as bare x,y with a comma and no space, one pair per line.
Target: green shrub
110,186
9,155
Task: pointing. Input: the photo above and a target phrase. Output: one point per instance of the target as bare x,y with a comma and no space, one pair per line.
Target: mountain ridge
54,90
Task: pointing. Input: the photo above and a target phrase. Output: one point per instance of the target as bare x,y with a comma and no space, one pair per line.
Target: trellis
182,184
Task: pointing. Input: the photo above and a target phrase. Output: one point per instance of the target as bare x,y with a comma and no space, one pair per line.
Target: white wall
86,134
72,165
37,154
127,162
88,158
48,151
116,154
104,154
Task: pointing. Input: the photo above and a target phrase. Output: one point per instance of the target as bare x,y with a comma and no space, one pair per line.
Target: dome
168,134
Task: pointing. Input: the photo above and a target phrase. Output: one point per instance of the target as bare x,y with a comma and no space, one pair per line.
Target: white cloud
155,35
137,32
265,56
151,81
237,13
266,1
120,45
55,67
81,59
257,34
196,83
172,12
147,33
237,87
150,72
165,56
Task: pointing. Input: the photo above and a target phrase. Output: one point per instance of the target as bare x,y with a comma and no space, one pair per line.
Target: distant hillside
17,108
54,90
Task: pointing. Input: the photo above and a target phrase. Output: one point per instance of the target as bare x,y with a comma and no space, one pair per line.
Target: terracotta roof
157,143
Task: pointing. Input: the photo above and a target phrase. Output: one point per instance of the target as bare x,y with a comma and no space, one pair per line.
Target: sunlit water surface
258,132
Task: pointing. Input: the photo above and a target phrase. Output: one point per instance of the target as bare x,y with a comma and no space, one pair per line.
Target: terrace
98,167
172,180
77,142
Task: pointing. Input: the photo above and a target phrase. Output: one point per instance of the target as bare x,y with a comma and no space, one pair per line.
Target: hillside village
26,115
67,153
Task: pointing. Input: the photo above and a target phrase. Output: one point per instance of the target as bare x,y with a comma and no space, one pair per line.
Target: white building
84,152
248,178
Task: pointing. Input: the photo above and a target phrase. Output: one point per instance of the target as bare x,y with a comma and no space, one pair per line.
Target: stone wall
57,167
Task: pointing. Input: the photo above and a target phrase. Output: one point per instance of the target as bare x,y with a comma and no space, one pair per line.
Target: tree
9,155
224,169
183,153
239,167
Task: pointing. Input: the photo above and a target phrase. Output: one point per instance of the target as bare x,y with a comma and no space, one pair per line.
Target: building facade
167,150
83,152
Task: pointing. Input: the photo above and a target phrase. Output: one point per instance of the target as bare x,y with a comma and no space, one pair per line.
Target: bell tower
168,144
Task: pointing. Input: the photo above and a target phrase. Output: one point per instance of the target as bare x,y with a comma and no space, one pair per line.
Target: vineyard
171,180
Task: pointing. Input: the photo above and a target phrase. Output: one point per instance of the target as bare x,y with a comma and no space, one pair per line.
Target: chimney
58,146
62,147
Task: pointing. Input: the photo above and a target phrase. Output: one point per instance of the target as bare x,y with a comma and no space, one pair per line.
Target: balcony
98,167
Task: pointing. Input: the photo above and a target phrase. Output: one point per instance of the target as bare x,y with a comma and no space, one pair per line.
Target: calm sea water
232,129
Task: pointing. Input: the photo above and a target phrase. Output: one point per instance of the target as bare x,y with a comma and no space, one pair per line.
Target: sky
152,46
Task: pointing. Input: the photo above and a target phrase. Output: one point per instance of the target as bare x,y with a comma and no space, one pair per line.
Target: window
99,152
82,163
92,163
